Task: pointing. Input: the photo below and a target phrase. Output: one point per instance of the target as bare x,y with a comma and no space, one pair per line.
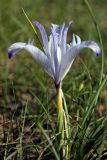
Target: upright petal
57,28
44,35
60,32
37,54
54,45
59,36
76,40
59,55
69,57
51,52
63,37
55,31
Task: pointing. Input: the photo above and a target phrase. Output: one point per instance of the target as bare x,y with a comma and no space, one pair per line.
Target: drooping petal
92,45
69,57
85,44
14,48
43,34
37,54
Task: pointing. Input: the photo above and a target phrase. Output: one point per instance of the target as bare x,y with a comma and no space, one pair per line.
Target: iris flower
57,56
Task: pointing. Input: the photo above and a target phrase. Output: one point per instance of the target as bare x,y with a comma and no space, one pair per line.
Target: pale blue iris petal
57,52
54,40
59,57
51,52
41,58
65,67
59,35
57,28
69,57
64,37
58,32
43,34
54,47
37,54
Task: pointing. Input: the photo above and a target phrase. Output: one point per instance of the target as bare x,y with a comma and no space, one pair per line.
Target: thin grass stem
99,35
32,26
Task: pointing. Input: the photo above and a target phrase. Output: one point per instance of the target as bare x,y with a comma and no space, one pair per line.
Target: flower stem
59,100
63,128
60,117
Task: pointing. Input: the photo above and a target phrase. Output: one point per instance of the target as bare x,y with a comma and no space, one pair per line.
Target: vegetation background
27,93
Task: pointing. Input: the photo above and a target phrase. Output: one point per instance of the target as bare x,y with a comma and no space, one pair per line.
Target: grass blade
99,35
50,142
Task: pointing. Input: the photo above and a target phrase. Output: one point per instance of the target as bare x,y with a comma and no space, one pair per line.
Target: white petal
78,40
65,67
75,41
59,54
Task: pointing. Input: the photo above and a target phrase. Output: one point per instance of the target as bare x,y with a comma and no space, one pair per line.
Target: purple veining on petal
97,53
10,54
55,43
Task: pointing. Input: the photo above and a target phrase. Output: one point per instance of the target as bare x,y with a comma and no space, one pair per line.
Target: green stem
63,126
60,117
